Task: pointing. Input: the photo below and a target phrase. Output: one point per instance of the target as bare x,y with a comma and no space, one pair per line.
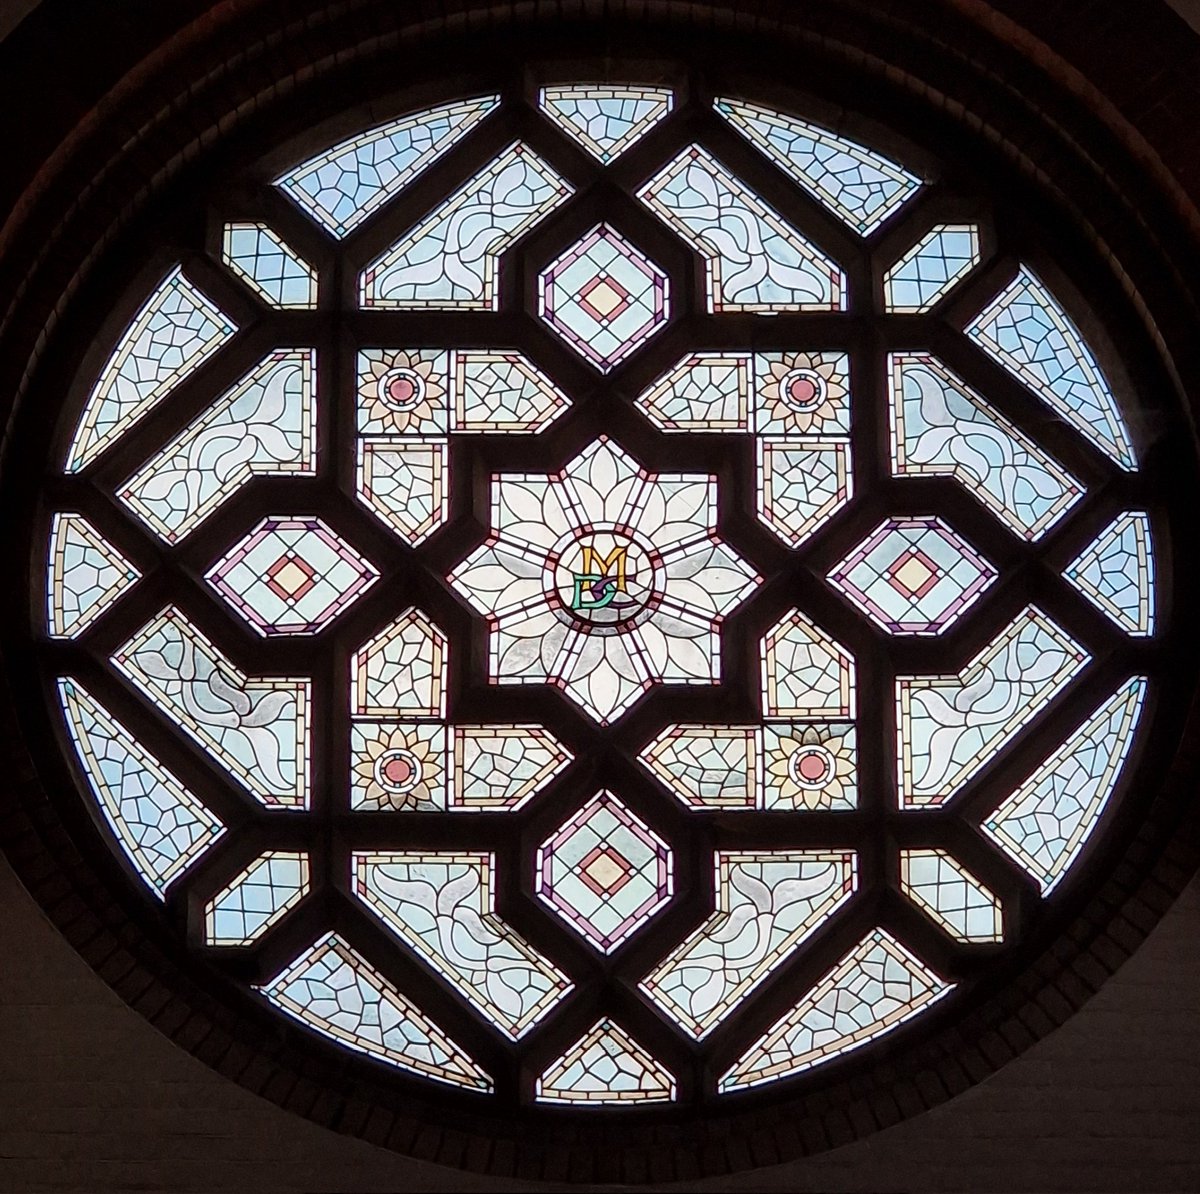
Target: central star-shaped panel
604,580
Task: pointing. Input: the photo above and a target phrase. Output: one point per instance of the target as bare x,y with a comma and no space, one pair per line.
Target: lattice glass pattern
931,268
349,182
449,260
944,889
606,120
176,331
160,826
86,575
1026,329
258,898
1115,572
334,990
606,1066
270,267
859,185
757,261
876,987
767,903
1046,823
950,726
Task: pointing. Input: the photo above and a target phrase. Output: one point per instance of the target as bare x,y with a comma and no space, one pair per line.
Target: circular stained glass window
602,597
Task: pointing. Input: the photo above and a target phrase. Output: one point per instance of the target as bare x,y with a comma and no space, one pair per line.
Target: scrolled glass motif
545,630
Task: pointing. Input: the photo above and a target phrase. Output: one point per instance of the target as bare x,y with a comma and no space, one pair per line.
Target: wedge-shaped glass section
766,905
86,575
424,767
913,576
160,826
931,268
1027,331
442,907
605,120
263,426
1046,823
405,485
1116,573
801,486
261,896
351,181
805,673
946,891
270,267
604,580
334,990
174,333
401,672
606,1066
790,765
942,428
950,726
756,260
707,391
256,728
860,186
873,989
449,259
605,872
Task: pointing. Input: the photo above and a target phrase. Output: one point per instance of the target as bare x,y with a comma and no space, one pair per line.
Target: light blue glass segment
1027,331
268,266
605,120
931,268
1116,573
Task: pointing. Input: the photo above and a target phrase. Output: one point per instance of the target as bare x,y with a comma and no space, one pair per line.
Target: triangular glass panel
606,1066
87,574
606,120
1116,573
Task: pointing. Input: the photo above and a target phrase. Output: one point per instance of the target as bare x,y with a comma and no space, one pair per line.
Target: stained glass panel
950,726
756,260
401,672
801,486
709,391
766,904
271,268
942,428
160,826
442,907
605,872
262,895
931,268
802,394
263,426
334,990
258,729
404,484
805,673
1026,329
345,184
1116,573
606,1066
174,333
857,184
449,260
86,575
876,987
1046,823
945,890
606,120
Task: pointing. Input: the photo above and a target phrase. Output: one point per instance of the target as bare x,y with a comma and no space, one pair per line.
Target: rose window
610,598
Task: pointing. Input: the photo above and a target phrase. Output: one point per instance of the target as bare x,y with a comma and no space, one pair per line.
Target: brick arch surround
1007,72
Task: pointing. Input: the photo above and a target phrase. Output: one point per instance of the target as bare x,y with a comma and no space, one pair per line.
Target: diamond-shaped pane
913,576
605,872
291,576
603,297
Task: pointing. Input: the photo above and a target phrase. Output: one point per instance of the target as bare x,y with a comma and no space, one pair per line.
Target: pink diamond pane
913,576
605,872
291,576
603,297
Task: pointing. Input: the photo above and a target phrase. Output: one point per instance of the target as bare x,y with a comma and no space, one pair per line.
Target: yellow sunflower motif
810,766
805,394
396,768
402,393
